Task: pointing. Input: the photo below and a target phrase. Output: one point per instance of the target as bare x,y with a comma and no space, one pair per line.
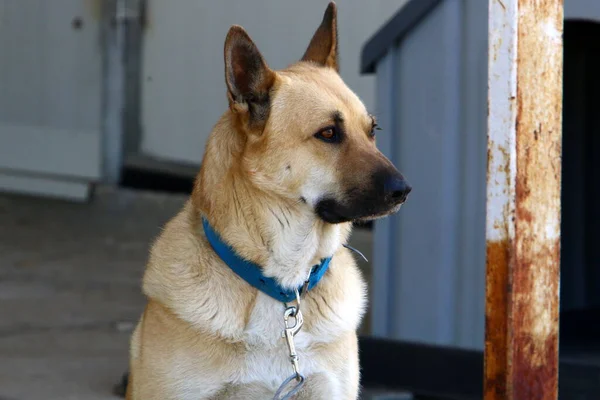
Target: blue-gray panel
471,280
427,133
582,10
384,236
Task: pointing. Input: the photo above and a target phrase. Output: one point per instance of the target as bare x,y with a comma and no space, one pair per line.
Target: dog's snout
396,187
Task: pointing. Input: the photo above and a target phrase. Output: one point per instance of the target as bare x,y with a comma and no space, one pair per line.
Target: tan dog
286,170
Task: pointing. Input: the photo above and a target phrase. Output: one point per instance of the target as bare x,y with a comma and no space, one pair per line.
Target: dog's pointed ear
323,47
248,77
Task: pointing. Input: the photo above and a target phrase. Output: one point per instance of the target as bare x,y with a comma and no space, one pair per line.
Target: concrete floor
70,289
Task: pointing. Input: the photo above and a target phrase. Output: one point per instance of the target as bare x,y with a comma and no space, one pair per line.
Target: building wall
50,96
183,88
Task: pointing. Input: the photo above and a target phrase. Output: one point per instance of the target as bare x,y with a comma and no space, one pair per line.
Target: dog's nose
396,187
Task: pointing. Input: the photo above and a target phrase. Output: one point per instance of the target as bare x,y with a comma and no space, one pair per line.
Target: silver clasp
290,331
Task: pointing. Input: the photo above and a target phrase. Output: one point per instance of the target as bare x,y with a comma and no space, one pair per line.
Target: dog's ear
323,48
248,77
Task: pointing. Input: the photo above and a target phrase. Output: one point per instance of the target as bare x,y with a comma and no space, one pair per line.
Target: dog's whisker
356,251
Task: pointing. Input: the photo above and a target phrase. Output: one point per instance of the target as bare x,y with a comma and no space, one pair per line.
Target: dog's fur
282,198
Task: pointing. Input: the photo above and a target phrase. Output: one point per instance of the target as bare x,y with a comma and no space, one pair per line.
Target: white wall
183,89
50,96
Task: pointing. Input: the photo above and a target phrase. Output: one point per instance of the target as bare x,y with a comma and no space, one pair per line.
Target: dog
287,169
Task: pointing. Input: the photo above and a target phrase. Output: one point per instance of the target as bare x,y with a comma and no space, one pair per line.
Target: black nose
396,187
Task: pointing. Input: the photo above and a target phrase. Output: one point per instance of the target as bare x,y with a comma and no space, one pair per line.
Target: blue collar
252,273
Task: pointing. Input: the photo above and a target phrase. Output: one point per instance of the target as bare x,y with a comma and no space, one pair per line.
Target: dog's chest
267,358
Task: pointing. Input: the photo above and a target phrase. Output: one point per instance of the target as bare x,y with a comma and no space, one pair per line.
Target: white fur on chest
267,359
296,248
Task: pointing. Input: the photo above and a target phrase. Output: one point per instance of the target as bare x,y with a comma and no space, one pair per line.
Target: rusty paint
496,343
523,225
537,240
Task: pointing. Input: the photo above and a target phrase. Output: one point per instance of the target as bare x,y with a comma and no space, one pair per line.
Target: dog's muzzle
387,191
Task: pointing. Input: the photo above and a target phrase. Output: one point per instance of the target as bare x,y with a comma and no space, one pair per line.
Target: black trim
421,369
453,373
156,180
397,27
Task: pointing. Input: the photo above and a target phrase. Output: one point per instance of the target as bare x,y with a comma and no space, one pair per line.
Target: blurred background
105,107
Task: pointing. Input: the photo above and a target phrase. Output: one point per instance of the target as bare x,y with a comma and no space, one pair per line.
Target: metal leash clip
288,334
291,331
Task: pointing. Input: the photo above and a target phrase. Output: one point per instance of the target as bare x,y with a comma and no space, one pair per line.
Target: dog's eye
329,134
374,128
372,133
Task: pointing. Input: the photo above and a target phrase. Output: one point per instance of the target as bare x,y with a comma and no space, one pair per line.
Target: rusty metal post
523,199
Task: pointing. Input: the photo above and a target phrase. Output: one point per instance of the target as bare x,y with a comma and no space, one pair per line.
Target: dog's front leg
247,391
321,386
343,377
350,374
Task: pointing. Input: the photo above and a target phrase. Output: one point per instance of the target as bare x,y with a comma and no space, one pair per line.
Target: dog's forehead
317,90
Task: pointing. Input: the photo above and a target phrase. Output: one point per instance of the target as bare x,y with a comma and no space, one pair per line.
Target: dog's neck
282,235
